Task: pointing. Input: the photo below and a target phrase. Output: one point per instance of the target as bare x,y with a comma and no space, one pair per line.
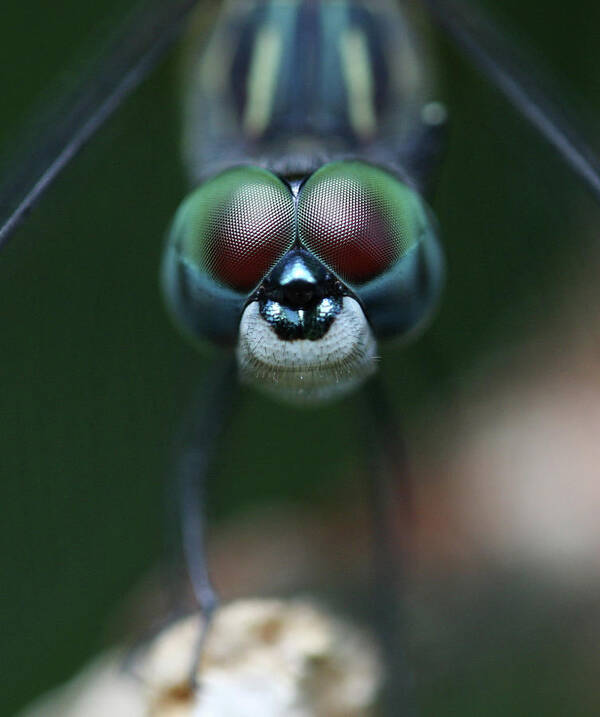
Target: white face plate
304,371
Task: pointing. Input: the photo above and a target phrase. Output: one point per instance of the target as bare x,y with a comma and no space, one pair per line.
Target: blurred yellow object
269,658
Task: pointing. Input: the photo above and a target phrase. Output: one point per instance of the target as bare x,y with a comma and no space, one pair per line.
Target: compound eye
236,226
358,219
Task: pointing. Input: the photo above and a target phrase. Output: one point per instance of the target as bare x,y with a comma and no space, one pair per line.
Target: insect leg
196,446
390,504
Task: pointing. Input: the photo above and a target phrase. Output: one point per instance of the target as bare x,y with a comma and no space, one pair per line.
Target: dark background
93,377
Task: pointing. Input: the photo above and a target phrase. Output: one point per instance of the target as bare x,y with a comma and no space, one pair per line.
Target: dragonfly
128,250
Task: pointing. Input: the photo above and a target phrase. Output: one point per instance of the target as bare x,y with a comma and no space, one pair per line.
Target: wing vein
501,64
129,59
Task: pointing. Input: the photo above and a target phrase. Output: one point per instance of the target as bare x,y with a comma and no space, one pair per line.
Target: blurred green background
93,378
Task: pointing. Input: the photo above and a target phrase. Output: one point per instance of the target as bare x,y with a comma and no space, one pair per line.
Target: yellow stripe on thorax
356,64
262,81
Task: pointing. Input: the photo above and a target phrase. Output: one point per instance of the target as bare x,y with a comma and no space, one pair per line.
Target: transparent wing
512,73
128,58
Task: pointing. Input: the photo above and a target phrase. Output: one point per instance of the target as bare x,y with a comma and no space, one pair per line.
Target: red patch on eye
247,236
242,260
347,229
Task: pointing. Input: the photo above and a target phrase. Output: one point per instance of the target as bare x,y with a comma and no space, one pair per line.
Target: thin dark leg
172,572
390,499
195,450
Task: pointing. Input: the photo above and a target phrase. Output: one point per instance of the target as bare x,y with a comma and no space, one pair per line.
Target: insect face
303,276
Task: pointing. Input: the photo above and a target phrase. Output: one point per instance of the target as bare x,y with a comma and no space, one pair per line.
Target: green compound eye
236,226
358,219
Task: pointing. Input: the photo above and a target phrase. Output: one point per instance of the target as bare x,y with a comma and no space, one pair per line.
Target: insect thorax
292,84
